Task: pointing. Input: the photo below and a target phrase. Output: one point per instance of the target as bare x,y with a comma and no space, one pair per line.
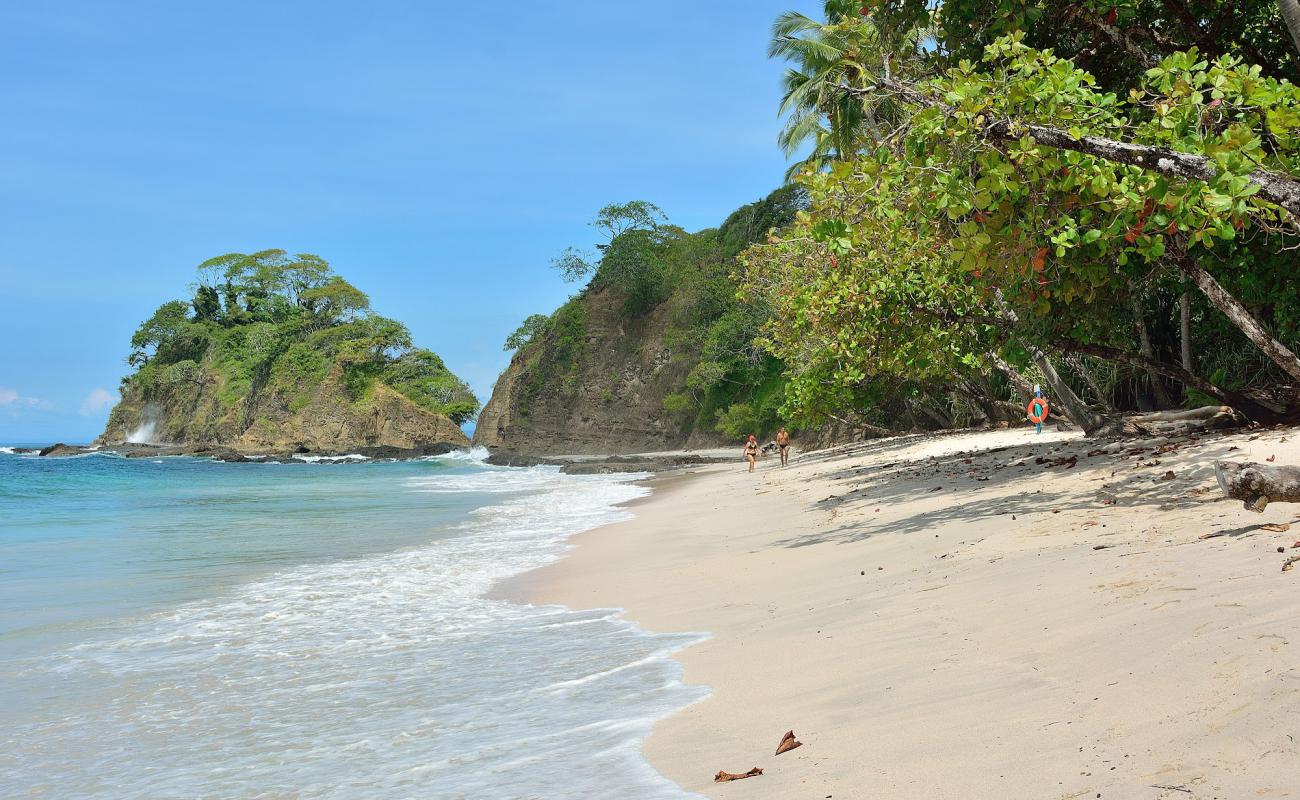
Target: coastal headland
965,615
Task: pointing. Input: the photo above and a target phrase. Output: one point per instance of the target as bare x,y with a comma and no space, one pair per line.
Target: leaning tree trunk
1185,329
1290,10
1089,380
981,394
1257,485
1078,410
1240,316
1158,393
1062,393
1241,402
1023,386
935,415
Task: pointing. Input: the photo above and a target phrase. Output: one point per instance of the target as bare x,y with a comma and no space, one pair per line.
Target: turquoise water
180,628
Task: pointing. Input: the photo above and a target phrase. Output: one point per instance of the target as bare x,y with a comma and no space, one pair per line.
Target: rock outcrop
604,397
656,353
328,420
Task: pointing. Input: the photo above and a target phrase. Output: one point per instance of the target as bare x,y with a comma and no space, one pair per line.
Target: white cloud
96,401
12,400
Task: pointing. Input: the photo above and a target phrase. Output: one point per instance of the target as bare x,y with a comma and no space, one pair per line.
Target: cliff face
324,419
602,394
656,353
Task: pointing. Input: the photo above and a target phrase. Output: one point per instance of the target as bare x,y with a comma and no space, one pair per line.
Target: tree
1290,10
270,284
632,260
164,333
824,57
1016,205
375,339
619,218
207,304
574,264
333,302
528,331
614,220
423,377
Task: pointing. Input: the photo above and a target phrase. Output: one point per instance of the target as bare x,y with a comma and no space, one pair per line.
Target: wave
331,459
382,676
477,455
18,450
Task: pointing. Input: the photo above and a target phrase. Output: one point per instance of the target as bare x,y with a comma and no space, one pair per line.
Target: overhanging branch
1274,187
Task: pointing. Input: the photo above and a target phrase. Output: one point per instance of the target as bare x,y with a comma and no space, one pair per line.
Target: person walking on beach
751,451
783,442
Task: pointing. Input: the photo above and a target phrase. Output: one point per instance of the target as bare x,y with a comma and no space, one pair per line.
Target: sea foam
384,676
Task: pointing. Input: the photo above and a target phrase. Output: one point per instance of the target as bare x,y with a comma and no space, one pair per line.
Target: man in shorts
783,442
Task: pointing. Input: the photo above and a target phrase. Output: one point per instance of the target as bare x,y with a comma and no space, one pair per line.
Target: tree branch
1116,36
1274,187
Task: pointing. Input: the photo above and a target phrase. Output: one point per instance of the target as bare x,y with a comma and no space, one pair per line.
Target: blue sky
437,154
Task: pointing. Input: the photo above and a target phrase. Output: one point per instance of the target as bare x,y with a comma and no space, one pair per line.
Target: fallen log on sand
723,777
1205,416
1169,422
1257,485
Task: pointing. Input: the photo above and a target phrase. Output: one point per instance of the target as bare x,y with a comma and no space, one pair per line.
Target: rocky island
277,354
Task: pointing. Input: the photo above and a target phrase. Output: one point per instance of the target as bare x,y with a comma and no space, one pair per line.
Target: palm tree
817,113
844,50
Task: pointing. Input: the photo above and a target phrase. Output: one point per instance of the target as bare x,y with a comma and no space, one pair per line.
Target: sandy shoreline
1029,630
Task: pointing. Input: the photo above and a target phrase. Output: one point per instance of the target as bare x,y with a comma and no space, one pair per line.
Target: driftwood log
723,777
1257,485
1209,415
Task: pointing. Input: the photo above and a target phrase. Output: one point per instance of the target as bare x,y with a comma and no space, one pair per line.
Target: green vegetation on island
269,340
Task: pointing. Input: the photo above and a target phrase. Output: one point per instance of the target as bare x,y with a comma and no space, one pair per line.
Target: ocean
186,628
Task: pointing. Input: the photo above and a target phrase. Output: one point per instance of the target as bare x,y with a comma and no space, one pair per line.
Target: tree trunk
935,415
1239,316
1023,386
1116,36
1089,380
1185,329
1252,409
978,401
1290,10
1205,41
1195,419
1158,393
982,394
1202,414
1248,407
1078,410
1257,485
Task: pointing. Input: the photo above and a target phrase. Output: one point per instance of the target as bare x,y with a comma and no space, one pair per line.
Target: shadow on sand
1127,474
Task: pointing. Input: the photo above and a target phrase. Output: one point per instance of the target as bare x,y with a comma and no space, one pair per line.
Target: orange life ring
1037,409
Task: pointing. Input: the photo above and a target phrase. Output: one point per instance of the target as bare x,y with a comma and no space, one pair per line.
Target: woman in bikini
751,451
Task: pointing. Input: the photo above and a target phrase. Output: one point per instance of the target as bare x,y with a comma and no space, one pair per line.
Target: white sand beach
973,615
